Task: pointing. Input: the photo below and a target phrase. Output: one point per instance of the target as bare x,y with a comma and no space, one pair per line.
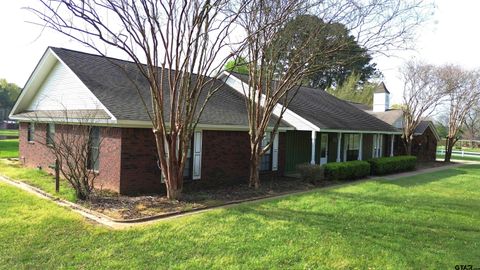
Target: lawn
36,178
9,148
428,221
457,157
9,132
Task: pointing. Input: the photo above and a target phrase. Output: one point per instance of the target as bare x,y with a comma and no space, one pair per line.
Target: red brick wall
139,172
225,156
128,159
35,154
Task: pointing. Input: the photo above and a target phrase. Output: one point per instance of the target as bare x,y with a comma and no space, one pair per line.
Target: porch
332,146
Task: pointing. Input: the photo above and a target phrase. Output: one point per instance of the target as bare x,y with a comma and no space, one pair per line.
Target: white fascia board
35,80
95,122
298,122
41,71
93,95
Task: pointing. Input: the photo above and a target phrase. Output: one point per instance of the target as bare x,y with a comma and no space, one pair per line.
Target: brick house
317,127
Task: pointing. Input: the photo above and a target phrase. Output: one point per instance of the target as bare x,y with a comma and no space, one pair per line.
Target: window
352,146
266,159
30,132
377,145
94,149
187,170
50,133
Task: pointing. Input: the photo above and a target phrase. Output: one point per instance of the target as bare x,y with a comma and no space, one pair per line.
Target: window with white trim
94,149
187,169
377,145
50,133
352,146
266,159
31,132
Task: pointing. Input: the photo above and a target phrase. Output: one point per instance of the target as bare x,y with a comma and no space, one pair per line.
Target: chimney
381,98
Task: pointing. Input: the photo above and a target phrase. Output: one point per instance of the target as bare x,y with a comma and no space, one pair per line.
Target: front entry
323,148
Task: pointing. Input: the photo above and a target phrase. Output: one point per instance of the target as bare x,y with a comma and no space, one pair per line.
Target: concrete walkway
116,224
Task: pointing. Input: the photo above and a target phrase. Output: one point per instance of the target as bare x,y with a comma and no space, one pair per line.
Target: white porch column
314,138
339,146
360,150
391,145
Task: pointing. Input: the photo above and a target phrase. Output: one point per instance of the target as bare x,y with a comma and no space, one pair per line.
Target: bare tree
74,142
463,89
472,125
279,58
422,94
178,46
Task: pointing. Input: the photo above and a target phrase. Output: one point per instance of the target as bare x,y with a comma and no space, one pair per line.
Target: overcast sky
451,37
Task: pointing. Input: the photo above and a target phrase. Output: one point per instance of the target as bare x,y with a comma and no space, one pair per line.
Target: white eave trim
112,117
38,76
298,122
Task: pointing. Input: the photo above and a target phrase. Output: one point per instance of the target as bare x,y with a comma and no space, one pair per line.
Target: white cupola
381,98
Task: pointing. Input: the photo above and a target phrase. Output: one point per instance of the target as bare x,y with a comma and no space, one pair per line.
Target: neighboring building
317,128
426,137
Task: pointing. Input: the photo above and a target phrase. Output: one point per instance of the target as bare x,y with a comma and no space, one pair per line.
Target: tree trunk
254,180
408,149
448,149
408,146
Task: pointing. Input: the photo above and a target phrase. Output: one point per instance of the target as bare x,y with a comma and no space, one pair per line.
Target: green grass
9,132
36,178
440,156
9,148
466,149
430,221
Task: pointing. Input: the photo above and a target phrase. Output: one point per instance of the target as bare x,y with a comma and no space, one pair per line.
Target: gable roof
381,88
394,116
329,113
389,116
423,126
107,79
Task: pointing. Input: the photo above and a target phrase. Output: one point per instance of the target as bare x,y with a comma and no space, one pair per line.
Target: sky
449,37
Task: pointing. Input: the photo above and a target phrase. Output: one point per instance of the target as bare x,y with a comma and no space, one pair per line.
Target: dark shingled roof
106,78
329,112
381,88
422,126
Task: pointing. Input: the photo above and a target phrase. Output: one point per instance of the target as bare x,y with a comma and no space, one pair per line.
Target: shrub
310,173
349,170
386,165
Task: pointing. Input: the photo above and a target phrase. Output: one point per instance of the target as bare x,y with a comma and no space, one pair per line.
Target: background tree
238,65
281,58
463,92
8,93
355,91
423,92
331,69
189,37
472,125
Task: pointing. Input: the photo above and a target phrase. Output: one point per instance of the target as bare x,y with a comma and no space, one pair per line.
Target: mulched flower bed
126,207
